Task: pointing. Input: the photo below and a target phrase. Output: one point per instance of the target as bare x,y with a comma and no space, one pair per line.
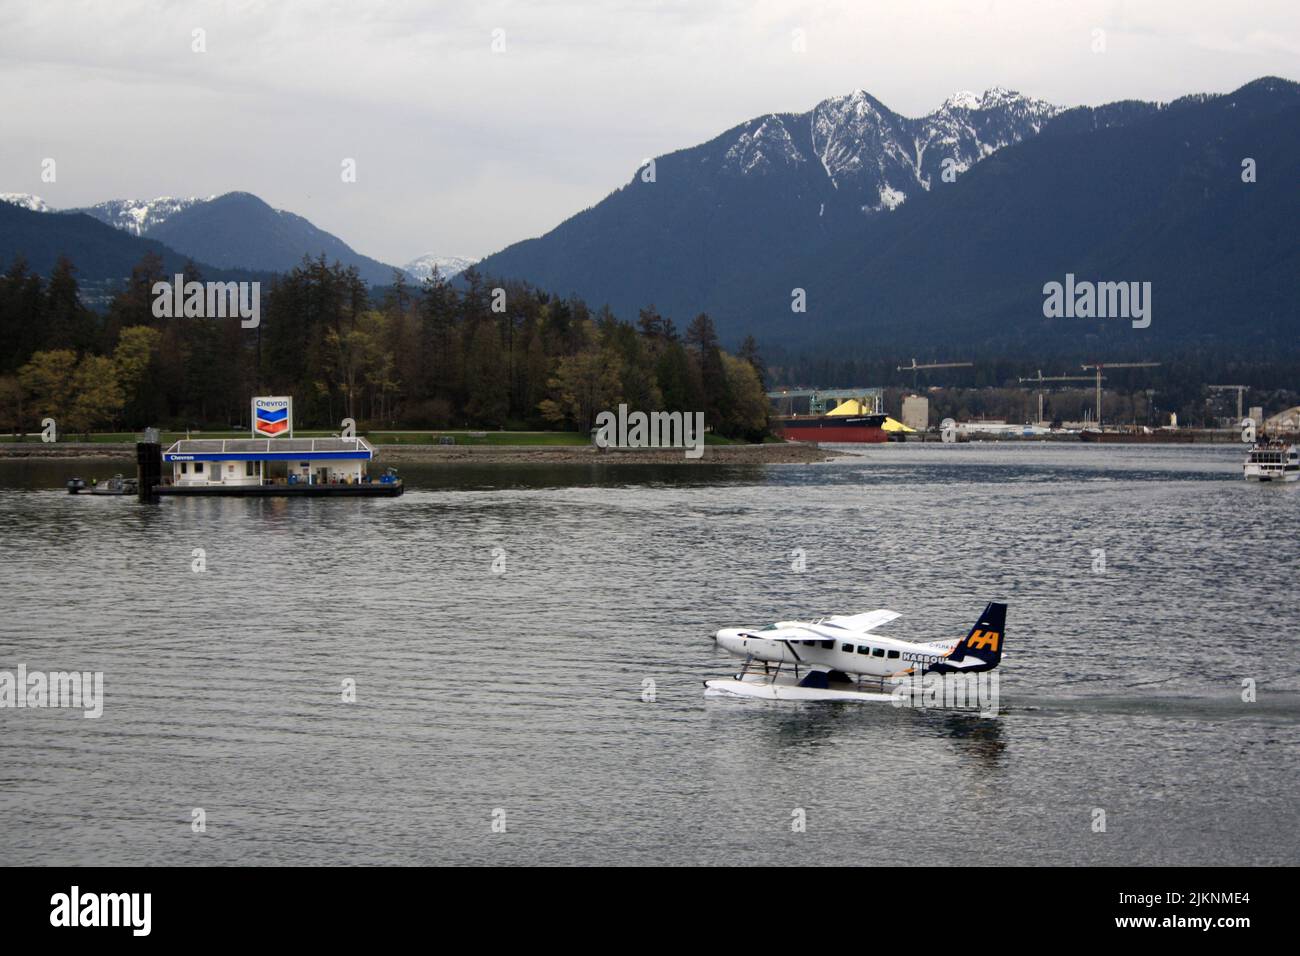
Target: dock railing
246,446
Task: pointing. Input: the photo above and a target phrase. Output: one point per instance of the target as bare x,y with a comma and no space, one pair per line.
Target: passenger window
847,647
828,645
864,649
892,655
878,652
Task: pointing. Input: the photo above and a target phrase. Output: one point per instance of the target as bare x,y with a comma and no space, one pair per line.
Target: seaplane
841,658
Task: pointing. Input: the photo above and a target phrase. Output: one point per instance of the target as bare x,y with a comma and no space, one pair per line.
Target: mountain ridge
738,245
421,267
817,174
103,256
234,230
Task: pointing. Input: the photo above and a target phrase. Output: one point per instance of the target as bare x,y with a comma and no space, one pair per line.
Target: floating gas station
272,463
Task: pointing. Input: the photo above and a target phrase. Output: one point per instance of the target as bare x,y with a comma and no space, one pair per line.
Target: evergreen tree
22,315
485,377
71,325
749,352
703,339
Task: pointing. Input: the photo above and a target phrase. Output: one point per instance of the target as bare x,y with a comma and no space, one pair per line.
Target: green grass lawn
503,438
376,437
479,438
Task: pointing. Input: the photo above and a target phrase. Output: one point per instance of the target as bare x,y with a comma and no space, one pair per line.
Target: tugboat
1272,461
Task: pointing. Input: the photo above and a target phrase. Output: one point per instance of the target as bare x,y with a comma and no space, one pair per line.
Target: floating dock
275,468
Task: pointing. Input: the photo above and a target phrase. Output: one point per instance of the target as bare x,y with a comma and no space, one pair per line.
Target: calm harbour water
523,690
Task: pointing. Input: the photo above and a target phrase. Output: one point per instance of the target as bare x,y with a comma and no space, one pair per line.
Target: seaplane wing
864,622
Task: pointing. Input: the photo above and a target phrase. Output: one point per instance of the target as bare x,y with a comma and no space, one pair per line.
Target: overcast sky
461,150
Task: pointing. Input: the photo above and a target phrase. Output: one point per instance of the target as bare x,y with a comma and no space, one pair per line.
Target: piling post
148,462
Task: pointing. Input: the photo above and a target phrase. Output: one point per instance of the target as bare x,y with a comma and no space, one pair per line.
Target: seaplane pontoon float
275,464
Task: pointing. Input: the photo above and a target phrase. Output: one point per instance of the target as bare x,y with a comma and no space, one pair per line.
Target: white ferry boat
1272,461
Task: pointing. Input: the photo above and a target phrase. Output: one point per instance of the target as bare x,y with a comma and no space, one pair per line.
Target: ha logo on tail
981,649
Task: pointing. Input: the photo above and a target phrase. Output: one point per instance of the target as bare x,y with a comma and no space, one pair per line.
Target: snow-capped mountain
777,190
837,227
870,155
240,231
232,231
26,200
448,266
138,216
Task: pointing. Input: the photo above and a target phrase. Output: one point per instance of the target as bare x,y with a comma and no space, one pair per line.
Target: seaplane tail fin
981,649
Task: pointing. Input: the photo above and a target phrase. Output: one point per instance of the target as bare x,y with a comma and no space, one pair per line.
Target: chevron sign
273,417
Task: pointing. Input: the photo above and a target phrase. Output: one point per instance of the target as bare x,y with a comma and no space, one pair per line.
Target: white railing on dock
246,446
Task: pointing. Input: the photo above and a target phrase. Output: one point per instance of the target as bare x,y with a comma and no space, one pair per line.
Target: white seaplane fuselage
829,658
834,644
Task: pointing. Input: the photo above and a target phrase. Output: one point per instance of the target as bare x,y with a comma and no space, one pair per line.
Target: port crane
1097,378
1042,380
1239,389
916,369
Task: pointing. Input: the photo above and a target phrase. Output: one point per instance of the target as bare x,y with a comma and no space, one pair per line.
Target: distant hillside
139,216
1130,191
233,231
103,256
1121,193
26,201
99,252
448,266
761,199
238,230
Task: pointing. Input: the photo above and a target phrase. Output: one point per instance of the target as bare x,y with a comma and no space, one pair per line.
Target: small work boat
117,485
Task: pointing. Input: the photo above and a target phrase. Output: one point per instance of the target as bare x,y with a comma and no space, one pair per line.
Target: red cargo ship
833,428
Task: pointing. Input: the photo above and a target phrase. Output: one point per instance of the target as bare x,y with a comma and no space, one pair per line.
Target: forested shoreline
431,356
483,355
